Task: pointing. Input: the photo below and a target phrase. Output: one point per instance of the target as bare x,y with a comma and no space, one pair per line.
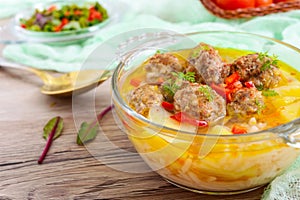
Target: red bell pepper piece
249,84
232,78
135,82
235,85
237,129
182,117
219,89
58,28
167,106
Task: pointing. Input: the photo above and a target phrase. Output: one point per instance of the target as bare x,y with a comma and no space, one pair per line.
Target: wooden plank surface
70,171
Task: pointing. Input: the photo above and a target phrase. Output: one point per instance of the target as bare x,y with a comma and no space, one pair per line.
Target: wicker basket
250,12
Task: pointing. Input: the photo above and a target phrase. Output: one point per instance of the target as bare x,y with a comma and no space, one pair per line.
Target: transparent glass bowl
207,163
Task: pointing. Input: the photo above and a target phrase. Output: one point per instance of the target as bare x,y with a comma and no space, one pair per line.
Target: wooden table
69,171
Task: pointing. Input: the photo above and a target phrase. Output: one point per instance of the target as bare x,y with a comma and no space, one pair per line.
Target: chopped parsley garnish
260,106
260,87
170,88
159,51
189,76
267,60
207,91
269,93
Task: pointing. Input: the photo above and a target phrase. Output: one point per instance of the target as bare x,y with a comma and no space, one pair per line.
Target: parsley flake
269,93
207,91
267,60
189,76
170,88
260,106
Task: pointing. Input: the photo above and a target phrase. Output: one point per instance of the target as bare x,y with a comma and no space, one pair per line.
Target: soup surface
214,90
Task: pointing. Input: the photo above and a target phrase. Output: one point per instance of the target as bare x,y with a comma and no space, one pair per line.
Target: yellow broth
279,109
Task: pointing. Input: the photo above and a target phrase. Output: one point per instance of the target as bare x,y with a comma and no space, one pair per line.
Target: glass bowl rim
127,109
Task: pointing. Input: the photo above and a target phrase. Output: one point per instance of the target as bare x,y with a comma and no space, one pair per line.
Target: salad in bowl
215,117
62,20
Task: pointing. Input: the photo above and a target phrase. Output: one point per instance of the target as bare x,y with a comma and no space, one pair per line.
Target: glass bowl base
213,192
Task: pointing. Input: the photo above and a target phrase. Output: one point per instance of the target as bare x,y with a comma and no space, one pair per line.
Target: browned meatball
260,69
206,62
245,101
143,97
200,101
160,67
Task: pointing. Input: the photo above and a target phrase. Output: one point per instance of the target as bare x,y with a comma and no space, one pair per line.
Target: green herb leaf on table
50,125
88,131
52,130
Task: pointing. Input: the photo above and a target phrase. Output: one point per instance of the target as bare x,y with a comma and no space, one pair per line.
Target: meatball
143,97
200,101
160,67
206,62
258,68
245,101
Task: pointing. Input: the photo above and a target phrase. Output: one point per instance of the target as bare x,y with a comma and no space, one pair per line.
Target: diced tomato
64,21
232,78
237,129
249,84
57,28
135,82
67,13
52,8
77,12
23,25
94,14
167,106
235,85
228,95
182,117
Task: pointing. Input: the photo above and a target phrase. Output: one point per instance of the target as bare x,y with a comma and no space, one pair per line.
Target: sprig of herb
159,51
267,60
170,88
269,93
260,106
207,91
88,132
189,76
260,87
52,130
